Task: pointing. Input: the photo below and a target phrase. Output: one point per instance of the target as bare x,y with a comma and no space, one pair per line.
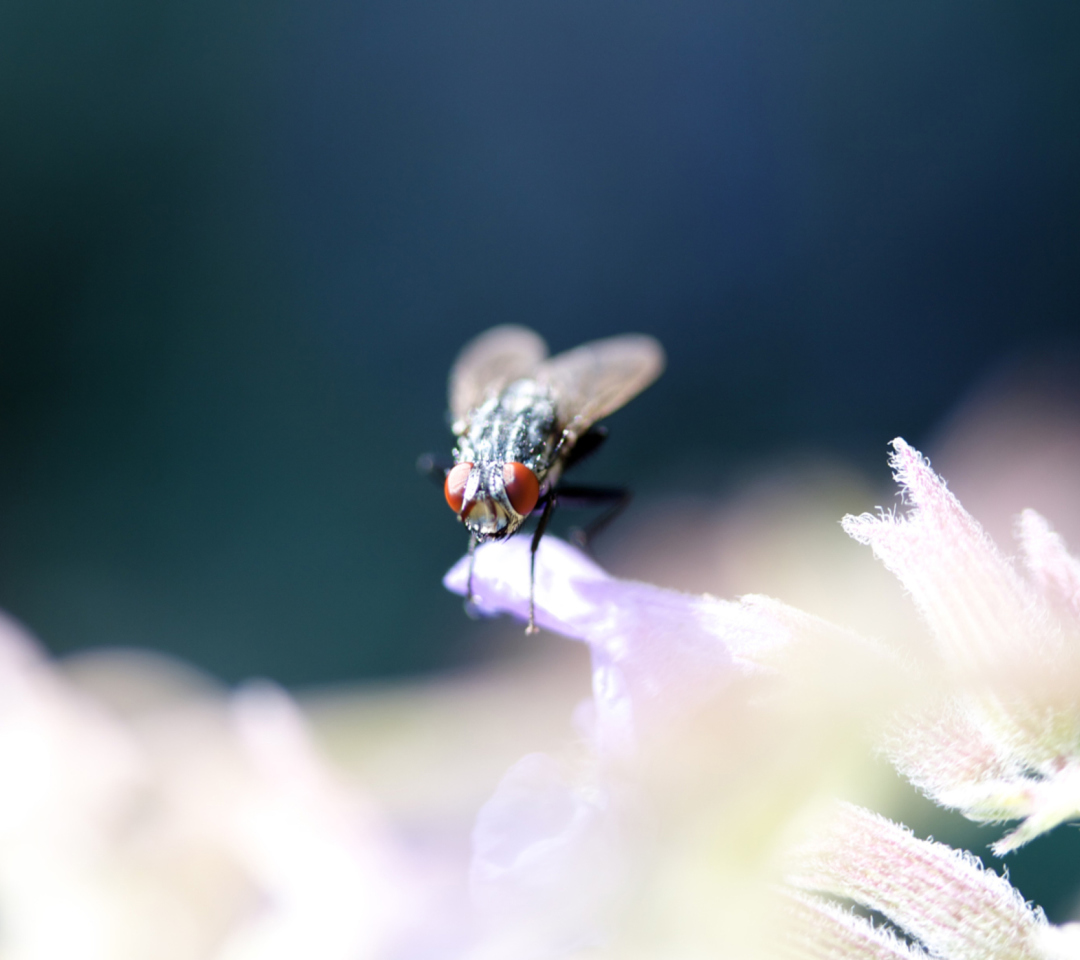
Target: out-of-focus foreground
679,805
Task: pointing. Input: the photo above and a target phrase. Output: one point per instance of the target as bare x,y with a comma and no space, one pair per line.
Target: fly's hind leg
586,445
549,507
615,498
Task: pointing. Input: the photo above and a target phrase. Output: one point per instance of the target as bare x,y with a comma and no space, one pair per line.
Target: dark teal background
242,242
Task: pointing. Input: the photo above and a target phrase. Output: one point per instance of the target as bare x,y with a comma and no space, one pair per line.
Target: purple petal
654,651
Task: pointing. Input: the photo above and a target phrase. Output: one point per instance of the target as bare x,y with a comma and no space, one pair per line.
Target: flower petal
654,650
816,929
1046,803
331,883
548,861
943,897
982,613
1003,743
1049,564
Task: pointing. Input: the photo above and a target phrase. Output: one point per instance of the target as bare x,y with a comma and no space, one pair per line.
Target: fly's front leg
470,608
615,498
434,467
539,532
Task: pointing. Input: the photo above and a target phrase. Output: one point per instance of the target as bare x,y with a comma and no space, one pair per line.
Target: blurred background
243,242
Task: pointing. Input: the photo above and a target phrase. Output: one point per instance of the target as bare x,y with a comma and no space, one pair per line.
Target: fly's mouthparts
484,516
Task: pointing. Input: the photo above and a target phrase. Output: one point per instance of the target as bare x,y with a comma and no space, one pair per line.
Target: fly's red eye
522,487
454,488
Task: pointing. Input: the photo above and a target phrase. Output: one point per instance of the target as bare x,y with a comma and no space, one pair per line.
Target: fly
522,419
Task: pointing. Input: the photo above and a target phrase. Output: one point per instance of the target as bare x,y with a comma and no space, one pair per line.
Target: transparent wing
488,363
597,378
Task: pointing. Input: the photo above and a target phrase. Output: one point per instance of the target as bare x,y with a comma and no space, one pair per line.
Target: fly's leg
470,608
615,498
434,467
587,444
549,506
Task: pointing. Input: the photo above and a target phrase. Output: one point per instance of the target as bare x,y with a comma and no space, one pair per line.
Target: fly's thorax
515,429
517,426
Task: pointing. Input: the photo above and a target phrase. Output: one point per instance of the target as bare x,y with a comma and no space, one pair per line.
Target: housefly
522,419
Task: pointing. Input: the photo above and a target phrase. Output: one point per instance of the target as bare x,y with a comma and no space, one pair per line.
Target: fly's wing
488,363
597,378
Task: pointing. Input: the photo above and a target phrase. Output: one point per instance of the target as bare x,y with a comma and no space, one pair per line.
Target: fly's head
492,498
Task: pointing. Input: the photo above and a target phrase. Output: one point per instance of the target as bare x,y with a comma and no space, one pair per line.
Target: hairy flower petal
942,897
1049,564
1004,742
1045,804
982,613
817,929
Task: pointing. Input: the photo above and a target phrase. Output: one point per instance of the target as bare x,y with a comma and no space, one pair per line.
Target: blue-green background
241,242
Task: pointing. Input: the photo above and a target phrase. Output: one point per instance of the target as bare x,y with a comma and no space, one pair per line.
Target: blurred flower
575,855
708,734
654,651
191,827
996,736
688,812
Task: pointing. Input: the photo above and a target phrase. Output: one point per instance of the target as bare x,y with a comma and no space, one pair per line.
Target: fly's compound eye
522,487
454,488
